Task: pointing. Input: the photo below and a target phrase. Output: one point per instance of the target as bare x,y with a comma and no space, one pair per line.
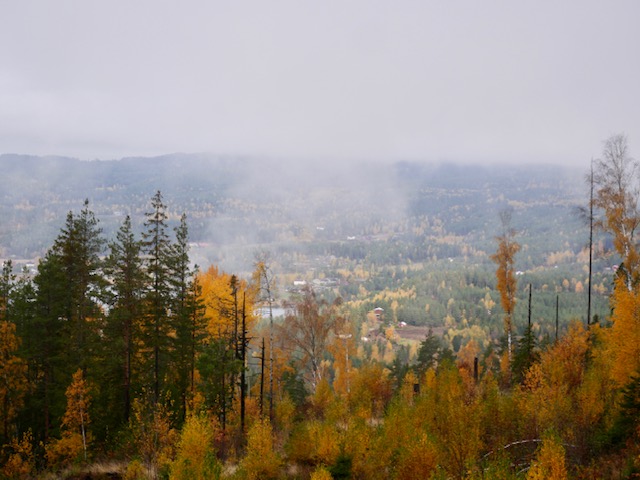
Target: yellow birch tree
506,275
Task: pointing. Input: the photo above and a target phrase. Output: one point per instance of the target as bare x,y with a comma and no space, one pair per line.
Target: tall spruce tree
157,246
79,248
124,266
48,342
67,322
197,327
184,316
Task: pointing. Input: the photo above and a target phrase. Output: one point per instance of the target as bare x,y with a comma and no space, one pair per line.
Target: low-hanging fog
239,206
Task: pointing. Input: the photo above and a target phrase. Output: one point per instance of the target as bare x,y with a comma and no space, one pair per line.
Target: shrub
196,459
261,462
21,461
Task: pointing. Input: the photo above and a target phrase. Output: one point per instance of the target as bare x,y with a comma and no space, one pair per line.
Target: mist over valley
366,226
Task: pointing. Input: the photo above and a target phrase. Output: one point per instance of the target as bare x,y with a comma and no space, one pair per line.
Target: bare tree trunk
84,435
262,379
557,315
243,356
590,246
270,360
265,280
529,315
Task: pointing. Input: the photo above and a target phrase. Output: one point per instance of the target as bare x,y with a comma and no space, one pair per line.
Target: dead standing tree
586,214
263,277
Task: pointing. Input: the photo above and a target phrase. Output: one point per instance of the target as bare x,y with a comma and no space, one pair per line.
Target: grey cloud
474,81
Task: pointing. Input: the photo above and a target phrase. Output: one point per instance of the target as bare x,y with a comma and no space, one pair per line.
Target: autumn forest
437,346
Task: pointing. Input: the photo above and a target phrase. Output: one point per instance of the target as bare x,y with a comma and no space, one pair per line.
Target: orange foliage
220,304
262,461
565,362
419,460
13,381
407,393
551,388
285,414
550,461
615,180
321,473
505,273
624,337
314,442
467,354
322,397
465,362
371,390
21,461
361,442
342,348
195,459
75,436
154,437
455,421
498,413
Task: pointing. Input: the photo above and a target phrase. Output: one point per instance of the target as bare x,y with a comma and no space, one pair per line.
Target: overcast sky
469,81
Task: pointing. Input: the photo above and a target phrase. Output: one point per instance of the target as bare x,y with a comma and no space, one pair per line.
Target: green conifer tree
186,317
123,332
68,320
79,248
157,247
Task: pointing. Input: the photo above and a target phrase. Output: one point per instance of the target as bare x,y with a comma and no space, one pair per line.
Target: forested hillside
340,324
374,230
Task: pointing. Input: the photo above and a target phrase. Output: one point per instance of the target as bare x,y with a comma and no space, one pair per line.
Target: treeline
117,325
